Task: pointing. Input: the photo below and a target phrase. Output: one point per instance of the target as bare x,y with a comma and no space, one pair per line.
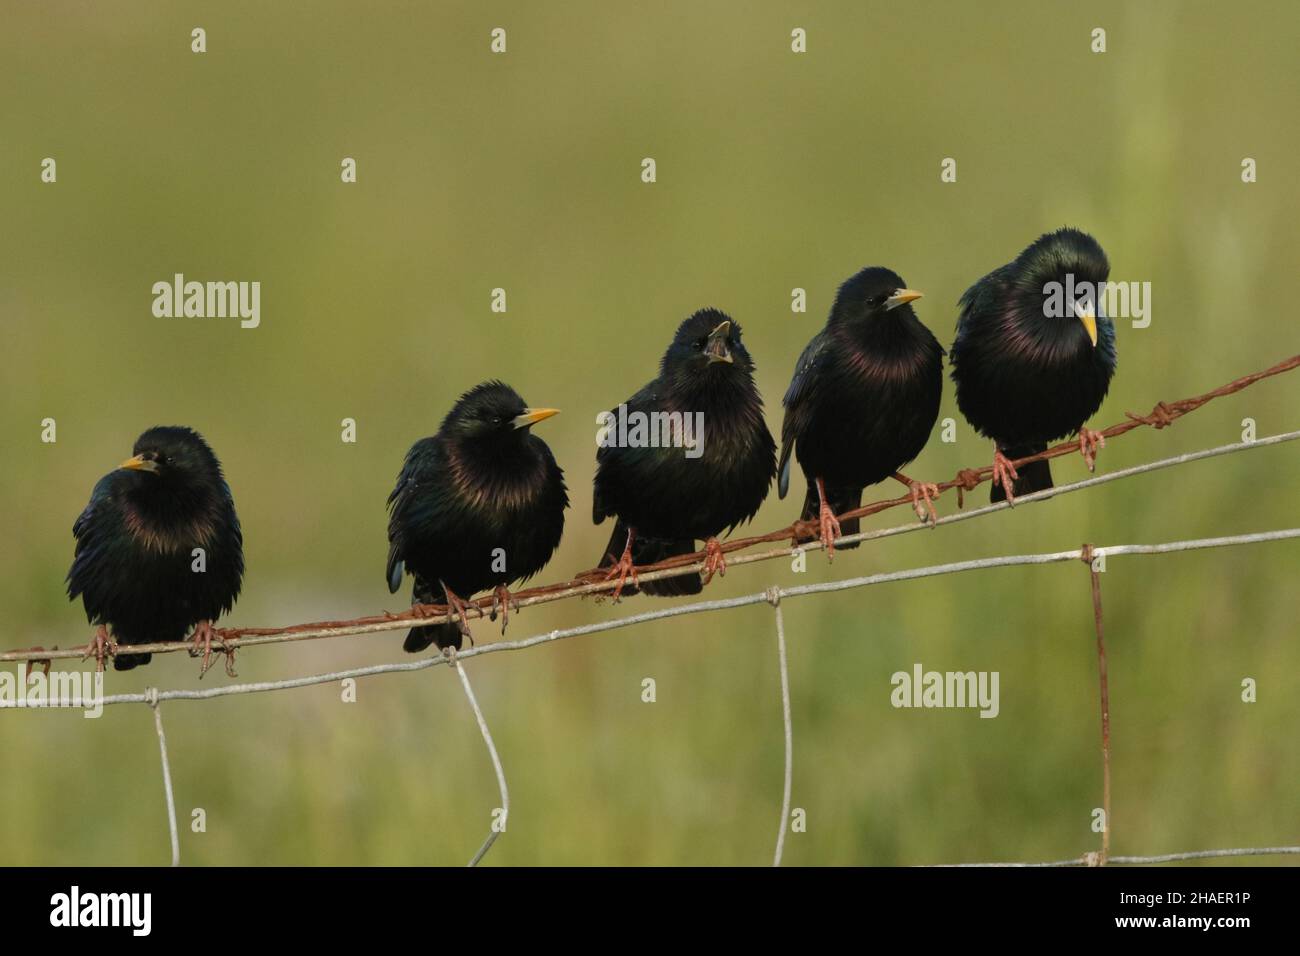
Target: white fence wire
774,595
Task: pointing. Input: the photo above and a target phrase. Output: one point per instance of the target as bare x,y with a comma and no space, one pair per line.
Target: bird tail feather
650,551
125,662
1035,476
840,500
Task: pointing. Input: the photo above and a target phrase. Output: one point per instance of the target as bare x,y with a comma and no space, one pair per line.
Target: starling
138,567
862,403
1031,364
478,505
689,457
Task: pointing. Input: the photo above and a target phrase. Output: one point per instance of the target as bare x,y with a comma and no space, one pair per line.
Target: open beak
532,416
902,297
139,463
716,349
1088,316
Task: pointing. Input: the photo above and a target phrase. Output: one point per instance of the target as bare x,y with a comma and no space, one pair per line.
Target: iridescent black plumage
478,505
666,498
135,567
864,397
1025,377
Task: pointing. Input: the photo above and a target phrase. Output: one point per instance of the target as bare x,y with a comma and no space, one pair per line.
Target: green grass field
775,170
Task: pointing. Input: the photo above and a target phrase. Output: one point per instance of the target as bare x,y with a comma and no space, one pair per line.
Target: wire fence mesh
1164,413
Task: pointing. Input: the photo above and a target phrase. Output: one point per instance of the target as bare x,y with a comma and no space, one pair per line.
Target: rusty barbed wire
1161,416
767,596
592,582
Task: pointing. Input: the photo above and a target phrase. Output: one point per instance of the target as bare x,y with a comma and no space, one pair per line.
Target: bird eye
170,460
700,343
496,419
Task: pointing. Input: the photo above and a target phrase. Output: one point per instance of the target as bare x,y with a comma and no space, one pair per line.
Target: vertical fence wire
775,598
1103,681
495,830
167,777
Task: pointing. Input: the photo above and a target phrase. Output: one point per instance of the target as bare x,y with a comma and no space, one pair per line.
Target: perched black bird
1032,363
136,568
479,505
686,457
862,403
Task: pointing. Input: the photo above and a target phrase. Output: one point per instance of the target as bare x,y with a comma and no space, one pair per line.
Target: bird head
1042,278
871,293
493,411
173,456
707,344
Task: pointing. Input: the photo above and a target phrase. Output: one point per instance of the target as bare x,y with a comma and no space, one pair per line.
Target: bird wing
612,460
422,465
86,520
981,297
95,529
810,363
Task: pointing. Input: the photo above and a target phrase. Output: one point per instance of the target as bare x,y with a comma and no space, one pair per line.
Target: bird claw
100,646
715,562
502,600
623,569
828,524
458,609
830,530
1004,473
923,494
201,645
1090,442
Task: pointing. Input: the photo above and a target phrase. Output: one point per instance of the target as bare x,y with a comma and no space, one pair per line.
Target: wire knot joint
1161,416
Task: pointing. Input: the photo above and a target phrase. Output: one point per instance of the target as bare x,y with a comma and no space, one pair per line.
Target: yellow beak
532,416
902,297
716,349
1089,321
139,463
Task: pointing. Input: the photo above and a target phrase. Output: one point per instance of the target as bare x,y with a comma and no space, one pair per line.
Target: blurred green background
775,170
